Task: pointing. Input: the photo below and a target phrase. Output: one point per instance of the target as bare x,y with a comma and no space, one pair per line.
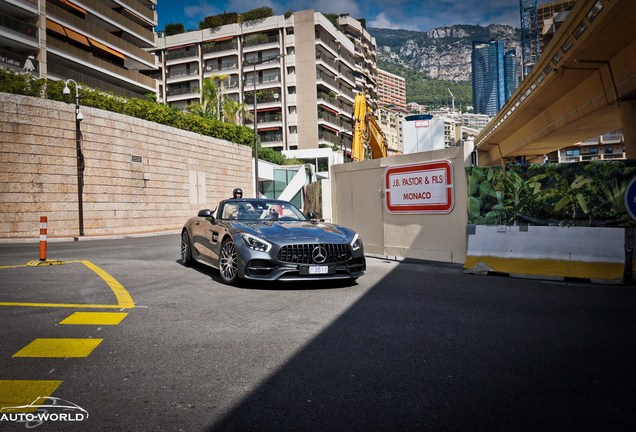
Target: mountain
442,53
440,59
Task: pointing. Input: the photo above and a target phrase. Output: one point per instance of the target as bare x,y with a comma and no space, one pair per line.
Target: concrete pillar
628,124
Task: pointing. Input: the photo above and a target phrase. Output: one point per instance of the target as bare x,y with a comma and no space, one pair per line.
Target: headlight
256,243
356,243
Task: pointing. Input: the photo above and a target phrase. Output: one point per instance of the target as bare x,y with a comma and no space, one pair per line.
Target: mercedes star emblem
319,254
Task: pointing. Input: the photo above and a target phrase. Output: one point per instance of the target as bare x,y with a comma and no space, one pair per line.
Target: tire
186,249
228,263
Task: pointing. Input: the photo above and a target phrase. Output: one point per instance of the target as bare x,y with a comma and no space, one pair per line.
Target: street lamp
80,157
254,63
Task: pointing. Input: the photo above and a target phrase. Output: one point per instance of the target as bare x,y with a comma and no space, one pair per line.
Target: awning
268,129
109,50
77,37
180,46
329,109
53,26
330,128
220,39
267,109
74,6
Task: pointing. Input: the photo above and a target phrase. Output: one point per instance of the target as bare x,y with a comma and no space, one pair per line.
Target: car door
201,237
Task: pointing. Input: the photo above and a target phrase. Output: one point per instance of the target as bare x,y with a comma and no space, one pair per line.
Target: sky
419,15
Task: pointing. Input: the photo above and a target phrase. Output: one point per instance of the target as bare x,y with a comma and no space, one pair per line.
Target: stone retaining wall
139,177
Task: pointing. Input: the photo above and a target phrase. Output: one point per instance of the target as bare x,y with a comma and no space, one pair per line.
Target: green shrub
146,109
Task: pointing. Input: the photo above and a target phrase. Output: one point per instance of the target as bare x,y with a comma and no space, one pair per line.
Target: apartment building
304,71
608,146
391,90
99,43
390,121
550,16
391,109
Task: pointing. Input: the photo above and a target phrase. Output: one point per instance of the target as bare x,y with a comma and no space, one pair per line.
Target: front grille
303,253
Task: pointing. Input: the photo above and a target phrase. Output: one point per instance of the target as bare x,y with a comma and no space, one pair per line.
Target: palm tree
236,112
211,95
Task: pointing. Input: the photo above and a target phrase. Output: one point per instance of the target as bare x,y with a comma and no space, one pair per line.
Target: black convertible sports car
263,239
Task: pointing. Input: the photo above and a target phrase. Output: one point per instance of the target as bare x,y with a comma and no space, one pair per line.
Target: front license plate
318,269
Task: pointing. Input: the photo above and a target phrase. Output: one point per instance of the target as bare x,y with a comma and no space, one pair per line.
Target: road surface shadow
447,351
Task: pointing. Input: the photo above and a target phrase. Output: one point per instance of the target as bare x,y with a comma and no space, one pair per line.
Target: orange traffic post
43,238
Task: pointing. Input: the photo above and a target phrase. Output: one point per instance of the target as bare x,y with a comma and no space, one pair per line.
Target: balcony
249,82
268,120
181,55
327,61
16,61
181,75
70,52
22,30
326,79
329,118
328,137
329,44
98,32
182,90
275,138
214,47
214,67
259,39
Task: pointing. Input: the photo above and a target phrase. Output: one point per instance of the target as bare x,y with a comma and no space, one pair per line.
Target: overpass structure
583,85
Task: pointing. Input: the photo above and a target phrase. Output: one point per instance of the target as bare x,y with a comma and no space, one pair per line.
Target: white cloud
382,21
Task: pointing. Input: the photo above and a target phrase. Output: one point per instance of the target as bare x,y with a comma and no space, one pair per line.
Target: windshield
260,210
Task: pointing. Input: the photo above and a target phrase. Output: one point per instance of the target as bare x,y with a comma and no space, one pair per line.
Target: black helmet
237,193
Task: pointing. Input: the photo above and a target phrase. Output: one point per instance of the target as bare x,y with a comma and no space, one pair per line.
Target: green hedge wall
571,194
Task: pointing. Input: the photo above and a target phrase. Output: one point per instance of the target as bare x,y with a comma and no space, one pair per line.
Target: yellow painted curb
548,267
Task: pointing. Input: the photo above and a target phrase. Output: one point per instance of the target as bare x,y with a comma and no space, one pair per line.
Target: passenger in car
273,214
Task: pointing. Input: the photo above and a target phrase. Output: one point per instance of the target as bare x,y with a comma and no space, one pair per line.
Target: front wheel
228,263
186,249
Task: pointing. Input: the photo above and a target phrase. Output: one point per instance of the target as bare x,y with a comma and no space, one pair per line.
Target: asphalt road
412,346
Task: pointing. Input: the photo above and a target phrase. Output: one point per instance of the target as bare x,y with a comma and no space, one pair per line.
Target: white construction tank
422,132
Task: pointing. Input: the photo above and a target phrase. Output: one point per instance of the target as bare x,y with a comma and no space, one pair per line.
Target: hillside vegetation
430,92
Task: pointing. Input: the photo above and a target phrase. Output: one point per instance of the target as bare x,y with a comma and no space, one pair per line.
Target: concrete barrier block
596,254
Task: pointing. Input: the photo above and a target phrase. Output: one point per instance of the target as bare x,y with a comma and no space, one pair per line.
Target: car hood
297,231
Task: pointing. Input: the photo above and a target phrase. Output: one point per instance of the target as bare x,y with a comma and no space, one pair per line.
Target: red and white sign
419,188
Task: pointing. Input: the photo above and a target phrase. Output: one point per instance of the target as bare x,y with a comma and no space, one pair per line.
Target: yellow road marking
95,318
59,348
124,300
63,305
23,392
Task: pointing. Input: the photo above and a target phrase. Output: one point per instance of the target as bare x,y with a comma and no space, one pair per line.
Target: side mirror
205,213
208,214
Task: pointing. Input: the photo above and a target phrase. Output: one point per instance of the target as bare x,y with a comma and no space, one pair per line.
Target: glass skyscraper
495,76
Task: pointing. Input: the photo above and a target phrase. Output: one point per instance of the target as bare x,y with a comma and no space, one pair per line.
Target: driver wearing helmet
237,193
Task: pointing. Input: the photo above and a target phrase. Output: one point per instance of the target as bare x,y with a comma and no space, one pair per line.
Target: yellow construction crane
366,131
